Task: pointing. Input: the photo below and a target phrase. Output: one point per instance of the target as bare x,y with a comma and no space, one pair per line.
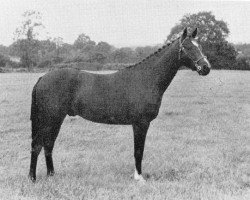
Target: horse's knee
36,148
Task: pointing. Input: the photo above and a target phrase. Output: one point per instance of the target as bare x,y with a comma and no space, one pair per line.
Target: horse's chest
151,110
146,104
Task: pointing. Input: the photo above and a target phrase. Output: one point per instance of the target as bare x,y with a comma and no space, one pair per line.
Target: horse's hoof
142,181
32,178
51,173
139,178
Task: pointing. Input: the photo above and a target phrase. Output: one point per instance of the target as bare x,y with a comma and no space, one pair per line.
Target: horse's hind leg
43,135
35,151
49,142
36,146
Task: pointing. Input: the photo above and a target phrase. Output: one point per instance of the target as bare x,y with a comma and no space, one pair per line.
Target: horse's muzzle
203,70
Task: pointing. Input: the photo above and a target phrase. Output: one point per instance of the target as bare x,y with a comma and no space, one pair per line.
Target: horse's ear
184,34
194,33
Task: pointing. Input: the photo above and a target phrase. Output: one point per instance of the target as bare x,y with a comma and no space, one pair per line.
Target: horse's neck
161,67
166,67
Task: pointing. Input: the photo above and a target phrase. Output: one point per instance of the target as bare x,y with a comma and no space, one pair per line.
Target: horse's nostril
205,70
205,67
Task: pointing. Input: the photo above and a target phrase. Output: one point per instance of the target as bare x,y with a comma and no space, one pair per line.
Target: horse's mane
153,54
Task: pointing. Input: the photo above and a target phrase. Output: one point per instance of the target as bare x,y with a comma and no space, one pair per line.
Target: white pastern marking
138,177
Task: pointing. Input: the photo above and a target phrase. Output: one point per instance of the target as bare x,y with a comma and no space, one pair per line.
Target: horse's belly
106,119
105,114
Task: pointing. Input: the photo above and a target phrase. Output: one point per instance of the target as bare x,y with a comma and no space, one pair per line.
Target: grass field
197,148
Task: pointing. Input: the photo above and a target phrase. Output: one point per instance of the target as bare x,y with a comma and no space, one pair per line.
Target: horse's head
190,54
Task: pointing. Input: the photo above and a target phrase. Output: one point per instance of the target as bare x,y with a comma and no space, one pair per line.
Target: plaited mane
152,54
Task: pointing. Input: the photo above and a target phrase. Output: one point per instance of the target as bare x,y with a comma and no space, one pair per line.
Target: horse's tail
34,109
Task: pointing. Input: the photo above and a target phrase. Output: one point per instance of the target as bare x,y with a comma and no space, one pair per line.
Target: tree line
35,53
49,53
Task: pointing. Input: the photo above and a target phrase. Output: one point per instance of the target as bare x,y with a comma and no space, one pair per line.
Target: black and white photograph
124,99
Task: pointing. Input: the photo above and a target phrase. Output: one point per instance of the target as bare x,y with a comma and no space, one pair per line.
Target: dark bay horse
131,96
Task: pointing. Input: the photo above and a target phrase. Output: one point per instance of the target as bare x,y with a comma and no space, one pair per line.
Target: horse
131,96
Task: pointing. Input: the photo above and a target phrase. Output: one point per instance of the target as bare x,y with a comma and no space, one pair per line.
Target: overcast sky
121,22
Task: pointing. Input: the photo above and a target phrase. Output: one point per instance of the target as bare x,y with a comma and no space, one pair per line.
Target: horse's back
74,92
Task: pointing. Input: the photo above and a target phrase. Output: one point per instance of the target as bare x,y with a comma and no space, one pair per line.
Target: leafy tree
212,36
25,35
210,29
243,49
4,50
221,55
84,42
143,52
58,41
102,52
46,48
123,55
97,57
3,60
104,47
242,63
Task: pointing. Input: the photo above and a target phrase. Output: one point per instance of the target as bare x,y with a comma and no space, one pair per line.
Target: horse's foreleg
140,132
